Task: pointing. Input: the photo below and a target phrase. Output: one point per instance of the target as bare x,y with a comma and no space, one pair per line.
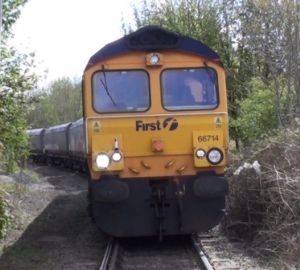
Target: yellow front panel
136,143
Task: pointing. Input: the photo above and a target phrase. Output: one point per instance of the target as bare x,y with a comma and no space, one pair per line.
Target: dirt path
51,228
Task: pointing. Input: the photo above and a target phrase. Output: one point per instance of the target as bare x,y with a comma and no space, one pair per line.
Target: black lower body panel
135,207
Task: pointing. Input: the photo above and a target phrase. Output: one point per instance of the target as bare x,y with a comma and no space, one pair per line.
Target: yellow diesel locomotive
155,114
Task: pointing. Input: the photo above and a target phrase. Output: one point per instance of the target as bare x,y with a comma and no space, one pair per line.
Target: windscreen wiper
104,83
211,77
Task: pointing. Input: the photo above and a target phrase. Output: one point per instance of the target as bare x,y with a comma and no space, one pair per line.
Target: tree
59,103
271,32
15,80
10,13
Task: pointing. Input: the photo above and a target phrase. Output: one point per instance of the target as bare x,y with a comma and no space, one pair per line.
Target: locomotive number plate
208,138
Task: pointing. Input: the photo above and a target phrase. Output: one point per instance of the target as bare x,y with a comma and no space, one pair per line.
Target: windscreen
121,91
189,89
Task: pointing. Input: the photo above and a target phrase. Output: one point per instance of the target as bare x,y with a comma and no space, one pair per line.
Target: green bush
13,137
257,115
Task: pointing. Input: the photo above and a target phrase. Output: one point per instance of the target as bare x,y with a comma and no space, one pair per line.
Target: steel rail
110,255
201,254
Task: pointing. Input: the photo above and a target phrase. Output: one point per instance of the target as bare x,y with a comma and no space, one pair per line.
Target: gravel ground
50,229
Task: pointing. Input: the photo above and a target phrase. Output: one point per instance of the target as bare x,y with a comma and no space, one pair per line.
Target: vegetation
15,80
59,103
256,113
258,42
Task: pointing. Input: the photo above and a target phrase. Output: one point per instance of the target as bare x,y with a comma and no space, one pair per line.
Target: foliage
257,113
10,11
59,103
13,136
15,80
183,17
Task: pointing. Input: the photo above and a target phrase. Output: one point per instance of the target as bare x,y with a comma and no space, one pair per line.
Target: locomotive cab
157,135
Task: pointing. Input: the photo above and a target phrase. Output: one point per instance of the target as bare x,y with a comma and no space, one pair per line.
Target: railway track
110,255
212,256
174,253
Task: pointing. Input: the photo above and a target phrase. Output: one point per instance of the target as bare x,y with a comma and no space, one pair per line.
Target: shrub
257,114
264,207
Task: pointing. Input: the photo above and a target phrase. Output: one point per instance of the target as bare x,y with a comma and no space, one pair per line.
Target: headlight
102,161
200,153
154,59
116,156
215,156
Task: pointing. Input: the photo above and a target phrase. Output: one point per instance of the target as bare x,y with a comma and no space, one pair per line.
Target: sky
65,33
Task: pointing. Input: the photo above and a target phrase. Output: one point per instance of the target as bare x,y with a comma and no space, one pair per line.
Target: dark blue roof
151,38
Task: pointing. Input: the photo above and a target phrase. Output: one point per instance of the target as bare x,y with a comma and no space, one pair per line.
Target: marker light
116,156
200,153
102,161
215,156
154,59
